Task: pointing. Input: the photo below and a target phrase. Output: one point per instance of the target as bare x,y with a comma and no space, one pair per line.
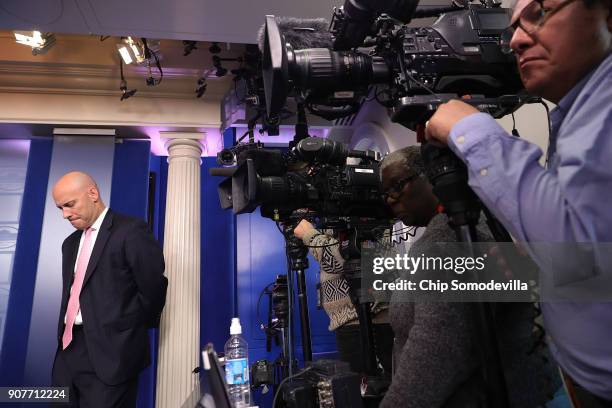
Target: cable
422,85
284,381
148,52
279,227
263,292
323,246
161,72
547,117
549,129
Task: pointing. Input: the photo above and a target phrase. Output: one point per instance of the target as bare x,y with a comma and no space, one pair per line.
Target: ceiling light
125,54
39,42
130,51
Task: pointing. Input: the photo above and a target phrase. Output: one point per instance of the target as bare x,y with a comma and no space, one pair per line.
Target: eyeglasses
531,19
395,191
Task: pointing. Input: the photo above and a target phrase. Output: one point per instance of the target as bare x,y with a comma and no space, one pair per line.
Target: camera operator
435,352
563,51
335,300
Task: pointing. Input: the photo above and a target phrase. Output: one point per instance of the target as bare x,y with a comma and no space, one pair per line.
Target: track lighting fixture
189,46
201,87
40,42
214,48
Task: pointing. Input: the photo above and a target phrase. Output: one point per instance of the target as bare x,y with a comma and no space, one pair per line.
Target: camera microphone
301,33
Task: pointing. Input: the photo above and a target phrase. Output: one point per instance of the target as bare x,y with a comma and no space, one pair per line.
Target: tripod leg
367,339
366,333
304,317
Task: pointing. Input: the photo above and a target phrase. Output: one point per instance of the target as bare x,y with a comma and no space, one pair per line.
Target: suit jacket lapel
103,235
69,255
70,259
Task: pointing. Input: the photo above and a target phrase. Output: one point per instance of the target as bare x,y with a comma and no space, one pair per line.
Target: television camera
373,53
414,69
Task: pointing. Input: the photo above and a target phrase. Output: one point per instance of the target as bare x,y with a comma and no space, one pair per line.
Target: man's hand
302,228
447,115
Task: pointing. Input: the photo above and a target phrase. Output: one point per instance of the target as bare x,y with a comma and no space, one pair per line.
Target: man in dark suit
113,291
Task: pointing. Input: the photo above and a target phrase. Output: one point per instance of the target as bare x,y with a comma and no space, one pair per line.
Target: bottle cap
235,328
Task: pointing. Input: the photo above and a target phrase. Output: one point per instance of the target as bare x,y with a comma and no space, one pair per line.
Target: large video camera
414,68
312,175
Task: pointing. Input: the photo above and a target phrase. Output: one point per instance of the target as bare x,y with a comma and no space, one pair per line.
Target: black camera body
262,373
314,175
414,69
327,384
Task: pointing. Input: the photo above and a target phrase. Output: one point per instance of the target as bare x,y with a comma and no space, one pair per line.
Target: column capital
184,144
189,140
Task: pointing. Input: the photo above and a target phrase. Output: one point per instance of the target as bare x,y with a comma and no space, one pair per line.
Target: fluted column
179,335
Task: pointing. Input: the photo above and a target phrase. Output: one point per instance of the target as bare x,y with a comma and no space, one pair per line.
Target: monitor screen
491,19
212,383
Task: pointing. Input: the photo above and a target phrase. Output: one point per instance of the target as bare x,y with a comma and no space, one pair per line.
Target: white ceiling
234,21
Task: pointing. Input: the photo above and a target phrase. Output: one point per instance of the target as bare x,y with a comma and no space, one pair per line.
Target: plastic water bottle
237,367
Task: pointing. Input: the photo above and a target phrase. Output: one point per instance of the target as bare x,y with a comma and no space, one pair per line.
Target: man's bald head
75,180
76,194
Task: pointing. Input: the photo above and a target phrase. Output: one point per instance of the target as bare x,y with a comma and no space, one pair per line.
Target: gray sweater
435,353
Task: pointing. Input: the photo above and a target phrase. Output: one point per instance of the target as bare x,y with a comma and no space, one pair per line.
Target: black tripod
449,178
352,274
298,263
278,307
376,384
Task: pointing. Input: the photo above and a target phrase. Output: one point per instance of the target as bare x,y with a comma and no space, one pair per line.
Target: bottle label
237,371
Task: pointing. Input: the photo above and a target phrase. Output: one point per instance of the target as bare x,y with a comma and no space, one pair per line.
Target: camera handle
413,111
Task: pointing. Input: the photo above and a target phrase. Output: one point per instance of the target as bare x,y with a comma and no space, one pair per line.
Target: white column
179,334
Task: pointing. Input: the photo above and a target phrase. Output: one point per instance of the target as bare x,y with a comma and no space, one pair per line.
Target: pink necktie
75,290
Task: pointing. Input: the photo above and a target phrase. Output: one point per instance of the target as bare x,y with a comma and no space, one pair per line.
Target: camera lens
320,68
226,157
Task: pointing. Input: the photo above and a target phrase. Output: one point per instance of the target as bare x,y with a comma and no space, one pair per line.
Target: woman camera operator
435,357
335,299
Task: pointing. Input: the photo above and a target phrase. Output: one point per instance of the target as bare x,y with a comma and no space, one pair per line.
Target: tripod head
297,252
449,178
